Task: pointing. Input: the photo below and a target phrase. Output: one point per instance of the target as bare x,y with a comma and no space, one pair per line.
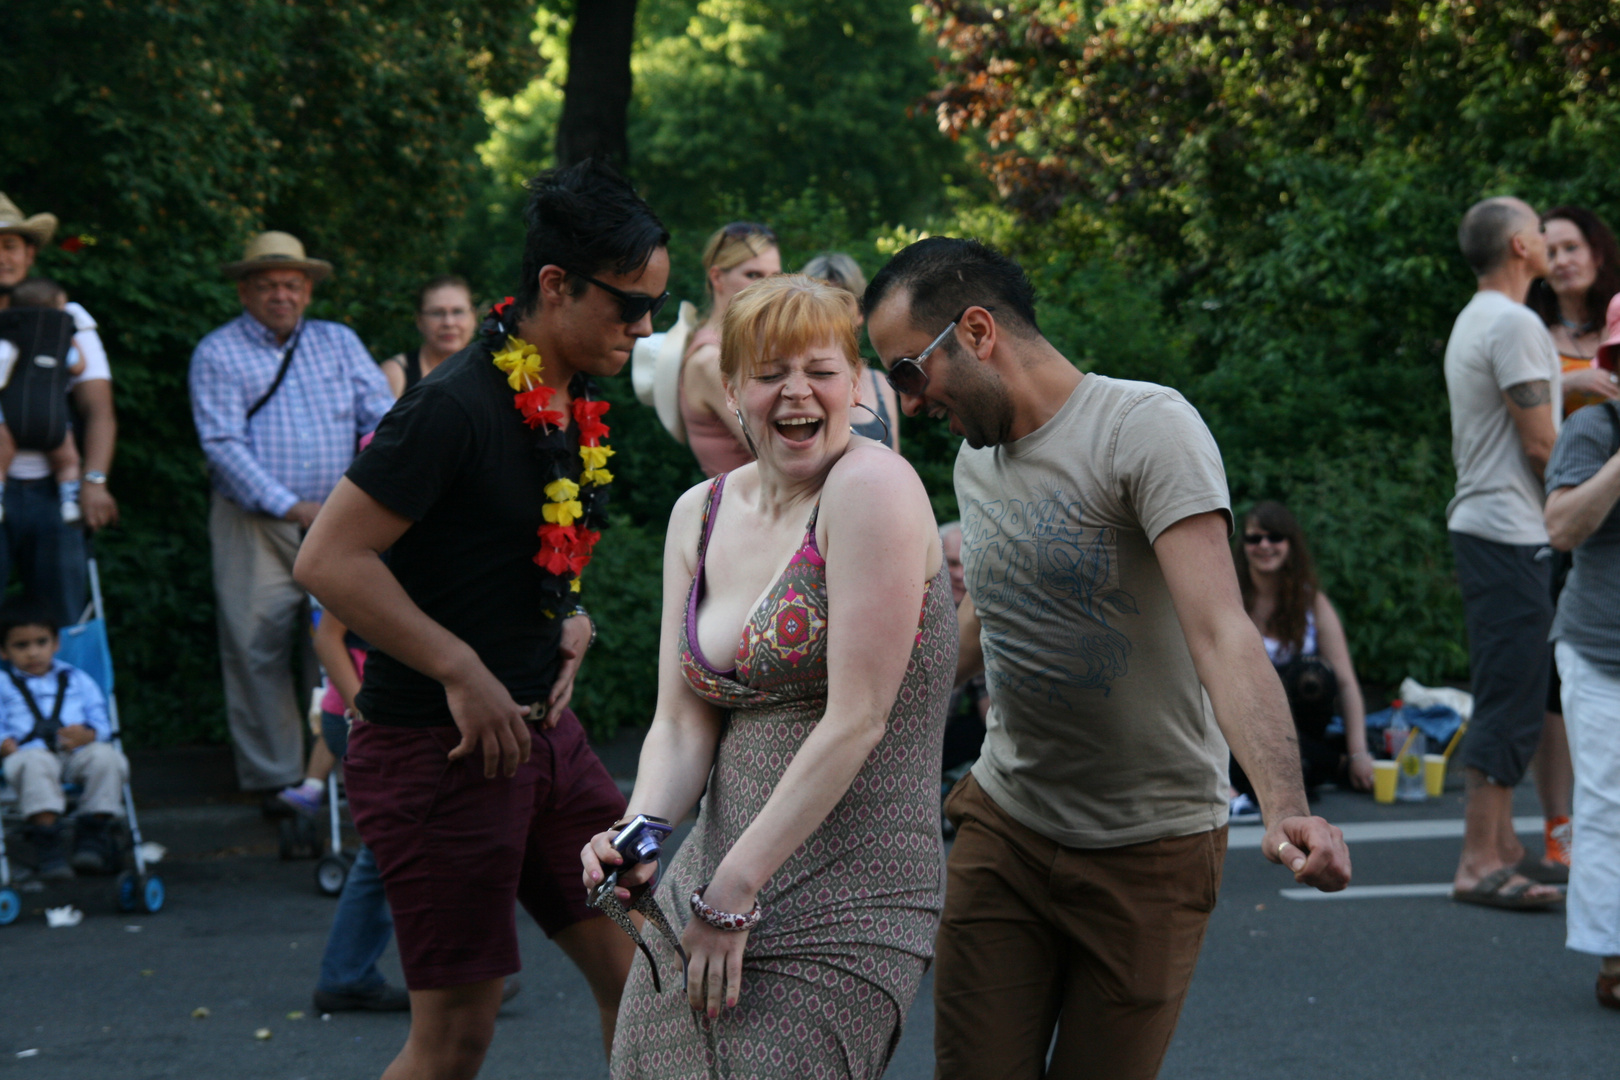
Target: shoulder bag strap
286,362
44,728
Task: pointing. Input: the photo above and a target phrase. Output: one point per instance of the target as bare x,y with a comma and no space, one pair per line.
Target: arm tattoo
1530,394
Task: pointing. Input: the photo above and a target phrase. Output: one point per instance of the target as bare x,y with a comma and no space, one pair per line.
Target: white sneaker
71,514
1243,808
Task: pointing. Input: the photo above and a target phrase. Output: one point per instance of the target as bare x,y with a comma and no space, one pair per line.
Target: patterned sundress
850,917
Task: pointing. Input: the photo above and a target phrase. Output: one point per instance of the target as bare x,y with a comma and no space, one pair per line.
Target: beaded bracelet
724,920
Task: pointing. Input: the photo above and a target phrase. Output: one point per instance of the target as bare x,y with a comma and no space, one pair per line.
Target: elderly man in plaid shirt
280,402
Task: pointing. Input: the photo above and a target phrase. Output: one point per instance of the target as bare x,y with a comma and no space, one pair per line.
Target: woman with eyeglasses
1307,645
735,257
809,646
445,316
878,401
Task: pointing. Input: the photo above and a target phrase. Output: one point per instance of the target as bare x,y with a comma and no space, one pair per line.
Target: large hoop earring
752,449
875,416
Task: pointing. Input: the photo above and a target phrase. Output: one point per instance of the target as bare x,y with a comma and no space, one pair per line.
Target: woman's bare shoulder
870,474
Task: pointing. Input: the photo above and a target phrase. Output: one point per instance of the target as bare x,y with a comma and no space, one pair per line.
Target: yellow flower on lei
595,459
521,362
564,508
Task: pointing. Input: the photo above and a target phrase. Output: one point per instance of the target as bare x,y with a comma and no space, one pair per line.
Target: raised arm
1250,706
339,563
1576,509
1530,405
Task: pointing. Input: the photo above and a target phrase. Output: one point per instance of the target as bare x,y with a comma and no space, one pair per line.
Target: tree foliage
1282,182
168,131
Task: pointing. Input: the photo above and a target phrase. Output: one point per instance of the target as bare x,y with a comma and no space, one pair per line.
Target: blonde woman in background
735,257
882,423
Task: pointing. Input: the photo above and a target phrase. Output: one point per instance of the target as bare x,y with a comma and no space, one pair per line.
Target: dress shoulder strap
709,508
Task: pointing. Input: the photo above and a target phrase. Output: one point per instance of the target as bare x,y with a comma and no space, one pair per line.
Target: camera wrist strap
604,900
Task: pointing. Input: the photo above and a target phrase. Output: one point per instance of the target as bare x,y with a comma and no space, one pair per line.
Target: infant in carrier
37,336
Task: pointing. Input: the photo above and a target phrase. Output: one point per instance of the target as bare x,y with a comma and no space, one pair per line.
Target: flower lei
574,512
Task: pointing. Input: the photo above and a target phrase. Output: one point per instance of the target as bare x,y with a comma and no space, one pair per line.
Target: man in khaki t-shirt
1091,832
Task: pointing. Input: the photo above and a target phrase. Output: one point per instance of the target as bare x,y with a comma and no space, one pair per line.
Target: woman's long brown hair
1298,587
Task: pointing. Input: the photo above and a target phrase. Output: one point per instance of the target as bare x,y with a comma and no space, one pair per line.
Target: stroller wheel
152,894
330,874
128,891
10,906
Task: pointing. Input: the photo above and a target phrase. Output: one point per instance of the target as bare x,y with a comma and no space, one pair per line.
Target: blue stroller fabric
84,645
1437,722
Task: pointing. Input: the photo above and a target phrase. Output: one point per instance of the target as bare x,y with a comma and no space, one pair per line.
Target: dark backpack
35,397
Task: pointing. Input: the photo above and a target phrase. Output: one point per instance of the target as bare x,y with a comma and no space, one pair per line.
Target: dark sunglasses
906,373
633,307
737,230
1253,539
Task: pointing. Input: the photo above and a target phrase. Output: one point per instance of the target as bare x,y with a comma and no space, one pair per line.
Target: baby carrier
34,376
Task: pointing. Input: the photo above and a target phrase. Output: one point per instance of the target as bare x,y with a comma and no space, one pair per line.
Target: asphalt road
1408,987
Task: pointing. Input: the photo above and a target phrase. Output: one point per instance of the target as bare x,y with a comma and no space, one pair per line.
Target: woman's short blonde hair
782,316
734,244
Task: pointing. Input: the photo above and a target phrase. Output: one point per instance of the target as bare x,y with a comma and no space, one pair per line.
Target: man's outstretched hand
1312,848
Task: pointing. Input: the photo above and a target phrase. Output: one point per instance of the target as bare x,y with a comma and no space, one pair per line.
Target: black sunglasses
633,307
906,373
737,230
1253,539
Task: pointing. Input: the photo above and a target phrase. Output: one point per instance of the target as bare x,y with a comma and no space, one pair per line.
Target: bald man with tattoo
1502,376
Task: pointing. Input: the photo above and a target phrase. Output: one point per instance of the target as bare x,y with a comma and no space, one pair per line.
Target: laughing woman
809,642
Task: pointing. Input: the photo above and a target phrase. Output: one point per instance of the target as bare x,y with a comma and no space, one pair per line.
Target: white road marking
1241,837
1369,892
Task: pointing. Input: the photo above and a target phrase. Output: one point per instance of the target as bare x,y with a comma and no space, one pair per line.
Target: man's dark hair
943,275
1487,230
36,292
27,612
1605,254
586,219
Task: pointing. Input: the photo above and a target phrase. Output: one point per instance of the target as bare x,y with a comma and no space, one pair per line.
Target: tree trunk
596,99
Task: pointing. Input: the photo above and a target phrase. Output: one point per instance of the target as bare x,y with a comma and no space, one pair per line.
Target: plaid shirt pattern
296,448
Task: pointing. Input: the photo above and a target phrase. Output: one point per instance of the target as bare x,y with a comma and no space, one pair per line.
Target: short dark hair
1605,253
585,218
443,281
36,292
27,612
1486,231
944,274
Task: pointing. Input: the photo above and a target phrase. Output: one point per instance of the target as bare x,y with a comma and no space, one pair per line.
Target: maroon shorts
455,849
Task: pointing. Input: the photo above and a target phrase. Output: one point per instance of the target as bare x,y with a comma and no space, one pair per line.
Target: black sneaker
49,857
95,848
384,998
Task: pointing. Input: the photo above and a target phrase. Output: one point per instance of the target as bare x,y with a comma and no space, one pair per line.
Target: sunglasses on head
633,307
737,230
906,374
1255,537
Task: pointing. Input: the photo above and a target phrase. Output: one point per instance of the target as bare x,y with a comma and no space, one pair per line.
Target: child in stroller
54,727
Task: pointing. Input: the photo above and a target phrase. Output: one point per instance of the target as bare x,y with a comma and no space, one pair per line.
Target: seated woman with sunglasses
809,644
1307,644
735,257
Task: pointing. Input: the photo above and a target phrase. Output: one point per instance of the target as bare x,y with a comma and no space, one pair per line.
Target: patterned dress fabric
848,932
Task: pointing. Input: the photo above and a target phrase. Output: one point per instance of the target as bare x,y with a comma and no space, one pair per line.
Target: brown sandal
1606,985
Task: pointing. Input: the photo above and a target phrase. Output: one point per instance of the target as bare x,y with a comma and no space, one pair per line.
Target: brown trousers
1099,944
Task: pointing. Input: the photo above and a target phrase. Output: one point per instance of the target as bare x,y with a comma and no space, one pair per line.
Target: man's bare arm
970,652
1250,706
1530,405
339,562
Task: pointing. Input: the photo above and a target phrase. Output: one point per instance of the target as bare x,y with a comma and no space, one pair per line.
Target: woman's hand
714,957
1591,381
1361,771
600,859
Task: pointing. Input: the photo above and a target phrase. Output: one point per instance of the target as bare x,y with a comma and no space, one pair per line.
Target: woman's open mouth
799,428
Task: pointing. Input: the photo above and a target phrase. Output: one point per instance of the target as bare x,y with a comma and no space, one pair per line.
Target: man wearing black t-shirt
468,776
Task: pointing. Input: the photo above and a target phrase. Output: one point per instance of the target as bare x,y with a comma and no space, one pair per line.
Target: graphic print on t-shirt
1051,569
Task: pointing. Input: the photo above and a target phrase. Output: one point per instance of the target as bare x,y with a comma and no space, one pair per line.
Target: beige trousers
259,606
37,774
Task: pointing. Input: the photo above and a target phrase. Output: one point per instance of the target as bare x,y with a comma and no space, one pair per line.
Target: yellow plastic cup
1385,773
1434,774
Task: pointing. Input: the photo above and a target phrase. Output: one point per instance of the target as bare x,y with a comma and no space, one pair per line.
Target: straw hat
276,251
655,370
38,228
